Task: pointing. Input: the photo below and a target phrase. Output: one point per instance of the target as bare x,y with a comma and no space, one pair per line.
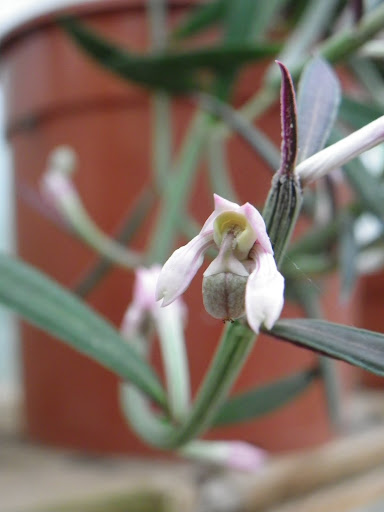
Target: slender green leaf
305,265
237,26
368,188
201,18
356,346
265,18
357,113
314,20
317,105
173,72
264,399
47,305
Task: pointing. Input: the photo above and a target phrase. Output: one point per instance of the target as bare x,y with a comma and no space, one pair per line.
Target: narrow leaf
357,113
47,305
288,123
264,399
237,28
173,72
359,347
201,18
317,105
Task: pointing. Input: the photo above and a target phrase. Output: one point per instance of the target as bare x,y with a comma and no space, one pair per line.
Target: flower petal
223,205
258,225
181,267
264,294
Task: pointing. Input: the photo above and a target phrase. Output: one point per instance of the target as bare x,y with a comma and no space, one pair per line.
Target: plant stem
169,326
161,115
230,356
130,224
178,186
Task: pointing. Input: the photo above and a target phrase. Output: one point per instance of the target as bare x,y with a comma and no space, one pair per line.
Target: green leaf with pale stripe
175,72
44,303
264,399
359,347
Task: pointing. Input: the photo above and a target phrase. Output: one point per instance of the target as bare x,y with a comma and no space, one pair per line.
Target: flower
56,184
237,455
242,279
144,306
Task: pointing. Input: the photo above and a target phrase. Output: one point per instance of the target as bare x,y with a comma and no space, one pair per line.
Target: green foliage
47,305
359,347
174,72
264,399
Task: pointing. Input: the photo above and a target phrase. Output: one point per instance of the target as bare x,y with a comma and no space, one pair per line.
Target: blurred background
73,474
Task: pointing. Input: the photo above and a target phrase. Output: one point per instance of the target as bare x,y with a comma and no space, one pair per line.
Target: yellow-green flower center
238,225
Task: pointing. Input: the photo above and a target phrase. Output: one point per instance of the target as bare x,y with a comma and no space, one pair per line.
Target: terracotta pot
55,95
372,303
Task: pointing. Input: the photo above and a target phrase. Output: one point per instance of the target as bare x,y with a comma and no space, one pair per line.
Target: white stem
341,152
171,334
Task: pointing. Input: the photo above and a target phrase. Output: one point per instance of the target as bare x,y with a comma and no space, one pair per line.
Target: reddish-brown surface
55,96
372,306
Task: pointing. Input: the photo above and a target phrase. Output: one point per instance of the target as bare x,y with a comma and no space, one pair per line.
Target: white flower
242,280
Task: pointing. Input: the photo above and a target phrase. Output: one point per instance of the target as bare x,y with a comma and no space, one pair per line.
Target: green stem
218,169
90,233
170,329
161,115
139,413
230,356
162,138
177,189
129,227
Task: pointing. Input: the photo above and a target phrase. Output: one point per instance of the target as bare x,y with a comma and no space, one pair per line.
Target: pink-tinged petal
144,303
237,455
144,289
143,300
245,456
341,152
58,189
258,225
181,267
223,205
264,293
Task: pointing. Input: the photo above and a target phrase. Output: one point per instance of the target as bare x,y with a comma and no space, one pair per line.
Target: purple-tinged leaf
356,346
317,105
288,123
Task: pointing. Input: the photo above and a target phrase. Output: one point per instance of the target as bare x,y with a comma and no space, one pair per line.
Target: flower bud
224,295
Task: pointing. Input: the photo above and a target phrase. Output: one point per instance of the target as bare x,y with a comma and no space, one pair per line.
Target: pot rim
81,8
